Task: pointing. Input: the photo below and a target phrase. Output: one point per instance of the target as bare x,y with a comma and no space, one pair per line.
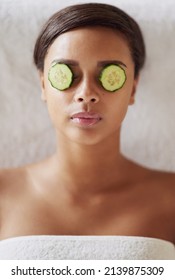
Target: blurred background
26,134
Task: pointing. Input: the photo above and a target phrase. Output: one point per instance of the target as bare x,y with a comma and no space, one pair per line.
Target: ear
133,93
43,93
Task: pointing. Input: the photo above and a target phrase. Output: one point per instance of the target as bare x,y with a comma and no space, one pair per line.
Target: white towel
48,247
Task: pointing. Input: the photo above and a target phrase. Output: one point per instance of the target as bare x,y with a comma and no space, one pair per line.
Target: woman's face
87,51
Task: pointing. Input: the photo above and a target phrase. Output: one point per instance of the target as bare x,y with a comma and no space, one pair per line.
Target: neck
90,168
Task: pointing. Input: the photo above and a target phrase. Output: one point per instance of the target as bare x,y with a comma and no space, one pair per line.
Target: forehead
90,43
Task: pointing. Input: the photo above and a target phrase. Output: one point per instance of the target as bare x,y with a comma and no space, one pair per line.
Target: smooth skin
88,187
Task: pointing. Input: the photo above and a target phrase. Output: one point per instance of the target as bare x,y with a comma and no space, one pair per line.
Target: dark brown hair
91,14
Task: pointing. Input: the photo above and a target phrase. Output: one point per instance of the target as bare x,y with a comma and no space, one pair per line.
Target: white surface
48,247
25,131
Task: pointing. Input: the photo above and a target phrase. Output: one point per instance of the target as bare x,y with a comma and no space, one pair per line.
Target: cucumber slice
60,76
112,77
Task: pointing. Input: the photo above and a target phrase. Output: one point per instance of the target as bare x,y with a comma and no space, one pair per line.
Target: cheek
118,104
55,106
55,99
118,111
53,110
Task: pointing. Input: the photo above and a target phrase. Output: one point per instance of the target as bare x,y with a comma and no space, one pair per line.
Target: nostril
80,99
93,99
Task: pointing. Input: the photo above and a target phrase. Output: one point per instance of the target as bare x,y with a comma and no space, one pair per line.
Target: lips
86,118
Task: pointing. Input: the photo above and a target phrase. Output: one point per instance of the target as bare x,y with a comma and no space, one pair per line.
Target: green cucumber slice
112,77
60,76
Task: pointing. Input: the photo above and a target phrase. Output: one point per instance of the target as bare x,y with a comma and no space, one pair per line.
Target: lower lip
85,122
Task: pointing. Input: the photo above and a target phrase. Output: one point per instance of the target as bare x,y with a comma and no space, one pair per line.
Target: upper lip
86,115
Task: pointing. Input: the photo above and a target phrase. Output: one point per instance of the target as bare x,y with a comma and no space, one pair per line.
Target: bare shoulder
164,179
166,183
15,182
11,180
162,186
12,186
161,181
157,184
157,178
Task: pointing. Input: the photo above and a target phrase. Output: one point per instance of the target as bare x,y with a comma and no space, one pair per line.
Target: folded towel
48,247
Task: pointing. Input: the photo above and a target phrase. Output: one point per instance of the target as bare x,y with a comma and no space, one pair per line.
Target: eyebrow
66,61
106,62
99,63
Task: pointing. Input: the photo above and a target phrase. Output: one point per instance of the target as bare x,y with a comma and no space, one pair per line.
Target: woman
89,58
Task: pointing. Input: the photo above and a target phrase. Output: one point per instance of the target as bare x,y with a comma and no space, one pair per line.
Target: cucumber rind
66,70
104,76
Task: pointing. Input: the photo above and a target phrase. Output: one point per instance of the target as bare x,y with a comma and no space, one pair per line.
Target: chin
88,138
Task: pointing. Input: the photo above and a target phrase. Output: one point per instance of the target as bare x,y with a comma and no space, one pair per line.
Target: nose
86,93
